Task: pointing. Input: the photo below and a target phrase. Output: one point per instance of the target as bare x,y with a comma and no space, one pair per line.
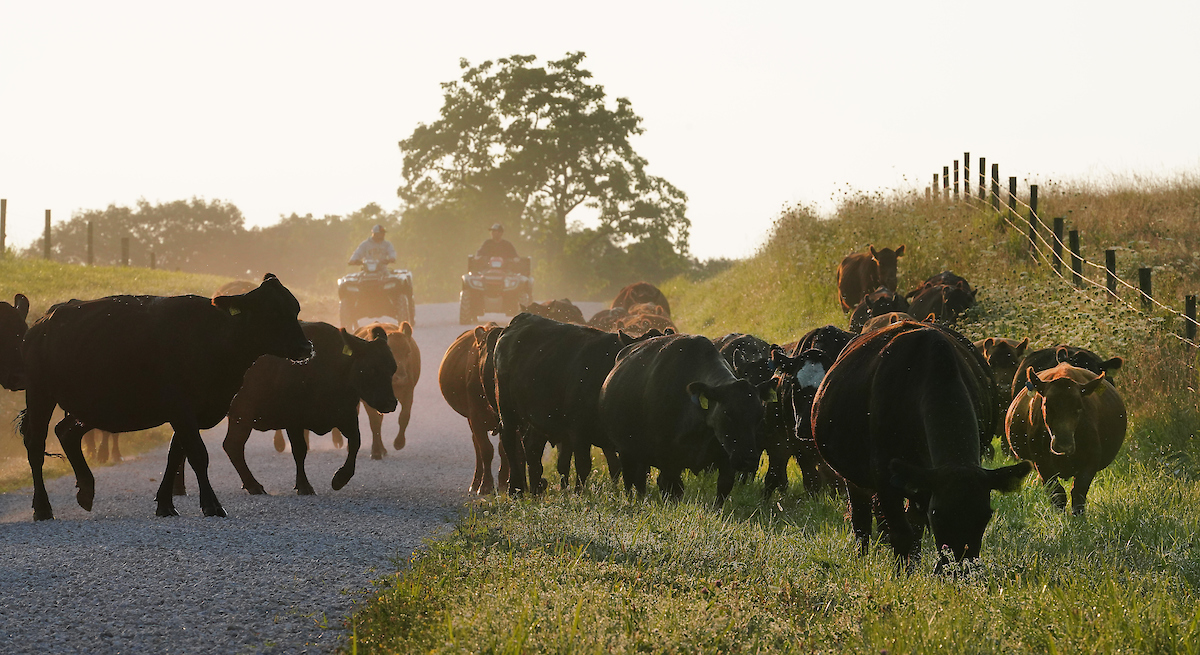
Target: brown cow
606,319
1002,356
460,377
561,310
859,273
639,324
404,380
641,292
1069,422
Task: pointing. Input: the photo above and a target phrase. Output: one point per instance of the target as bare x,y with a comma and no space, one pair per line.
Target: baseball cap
497,226
377,229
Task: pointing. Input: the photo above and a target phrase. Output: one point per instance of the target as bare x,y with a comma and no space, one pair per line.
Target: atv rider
374,249
497,246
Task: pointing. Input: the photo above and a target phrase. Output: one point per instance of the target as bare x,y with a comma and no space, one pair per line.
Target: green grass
598,572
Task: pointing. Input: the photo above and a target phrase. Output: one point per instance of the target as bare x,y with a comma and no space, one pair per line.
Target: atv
376,295
494,284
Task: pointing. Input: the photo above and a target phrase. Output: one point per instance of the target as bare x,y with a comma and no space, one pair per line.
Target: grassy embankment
600,573
46,283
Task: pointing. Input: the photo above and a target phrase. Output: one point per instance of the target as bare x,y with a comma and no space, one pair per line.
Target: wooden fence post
935,184
945,183
91,246
3,226
1076,260
1189,310
1110,271
1144,285
1012,198
966,176
124,251
46,238
996,188
1033,221
927,194
955,179
1058,236
982,178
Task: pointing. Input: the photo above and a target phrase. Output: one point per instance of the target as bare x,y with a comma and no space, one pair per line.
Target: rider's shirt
501,248
371,249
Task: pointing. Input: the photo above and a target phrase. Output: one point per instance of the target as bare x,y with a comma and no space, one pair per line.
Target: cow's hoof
256,490
378,454
279,443
215,510
166,510
341,478
1077,511
43,514
398,444
338,442
85,498
306,490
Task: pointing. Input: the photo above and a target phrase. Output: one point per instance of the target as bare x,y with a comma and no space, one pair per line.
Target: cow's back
452,372
857,274
641,292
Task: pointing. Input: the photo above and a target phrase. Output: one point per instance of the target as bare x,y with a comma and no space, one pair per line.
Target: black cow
1047,358
944,303
127,363
902,414
317,395
752,360
877,303
673,403
547,380
12,331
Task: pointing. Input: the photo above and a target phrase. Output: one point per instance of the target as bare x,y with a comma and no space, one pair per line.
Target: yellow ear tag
234,311
703,401
774,397
1100,390
346,351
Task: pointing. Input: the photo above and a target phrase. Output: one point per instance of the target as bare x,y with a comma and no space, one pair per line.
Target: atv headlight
475,283
511,283
389,285
352,288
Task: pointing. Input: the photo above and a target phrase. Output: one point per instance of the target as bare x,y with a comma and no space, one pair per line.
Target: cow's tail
19,422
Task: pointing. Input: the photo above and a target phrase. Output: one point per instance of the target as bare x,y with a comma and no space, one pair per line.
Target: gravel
279,575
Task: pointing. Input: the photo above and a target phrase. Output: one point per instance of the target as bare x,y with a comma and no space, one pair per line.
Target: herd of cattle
895,414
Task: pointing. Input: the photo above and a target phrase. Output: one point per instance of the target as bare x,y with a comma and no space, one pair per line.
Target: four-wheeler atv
376,294
494,285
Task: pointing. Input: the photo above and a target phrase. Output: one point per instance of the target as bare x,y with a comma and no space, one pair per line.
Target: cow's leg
337,439
566,449
197,455
280,444
534,446
725,477
670,483
403,416
505,467
1058,496
375,419
583,463
614,463
511,446
116,447
1079,491
904,542
102,451
353,441
179,488
236,437
861,504
299,452
89,444
776,477
483,483
634,472
70,436
176,455
34,425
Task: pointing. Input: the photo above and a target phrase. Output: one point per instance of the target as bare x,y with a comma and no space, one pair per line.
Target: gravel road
278,575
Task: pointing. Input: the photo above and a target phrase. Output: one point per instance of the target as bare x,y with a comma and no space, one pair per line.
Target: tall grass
598,572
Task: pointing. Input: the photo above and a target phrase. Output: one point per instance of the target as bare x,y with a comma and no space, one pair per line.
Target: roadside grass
598,572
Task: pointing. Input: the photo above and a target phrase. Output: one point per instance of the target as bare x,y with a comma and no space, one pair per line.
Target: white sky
283,107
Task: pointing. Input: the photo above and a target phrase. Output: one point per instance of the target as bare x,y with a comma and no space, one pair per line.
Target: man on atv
497,246
374,249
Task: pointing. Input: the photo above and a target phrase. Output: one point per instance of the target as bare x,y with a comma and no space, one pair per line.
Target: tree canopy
528,144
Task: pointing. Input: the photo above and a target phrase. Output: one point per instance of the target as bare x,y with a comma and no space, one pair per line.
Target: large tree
531,144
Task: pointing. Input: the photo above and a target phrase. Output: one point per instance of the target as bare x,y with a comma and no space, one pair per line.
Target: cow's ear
378,332
912,479
270,276
1113,364
1094,385
931,318
871,247
900,251
1033,384
232,305
406,329
699,394
1007,479
1020,349
1060,354
669,330
988,343
21,303
480,334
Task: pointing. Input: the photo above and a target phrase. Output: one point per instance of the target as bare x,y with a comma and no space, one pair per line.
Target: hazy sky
282,107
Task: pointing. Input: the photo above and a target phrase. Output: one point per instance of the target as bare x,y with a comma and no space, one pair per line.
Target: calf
12,331
1069,422
902,414
127,363
877,303
641,292
860,272
563,311
317,395
460,377
673,403
408,372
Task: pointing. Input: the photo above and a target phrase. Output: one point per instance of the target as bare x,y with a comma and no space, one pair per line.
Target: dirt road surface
279,575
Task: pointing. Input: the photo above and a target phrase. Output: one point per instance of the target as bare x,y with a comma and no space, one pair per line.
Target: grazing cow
1069,422
317,395
860,272
902,414
12,331
877,303
942,303
460,377
1048,358
562,310
1002,356
127,363
945,278
884,320
673,403
408,372
548,377
641,292
607,319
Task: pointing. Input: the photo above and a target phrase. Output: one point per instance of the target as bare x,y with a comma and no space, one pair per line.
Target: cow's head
956,501
884,301
267,320
798,378
1003,356
12,331
402,345
886,259
371,368
1062,405
733,412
